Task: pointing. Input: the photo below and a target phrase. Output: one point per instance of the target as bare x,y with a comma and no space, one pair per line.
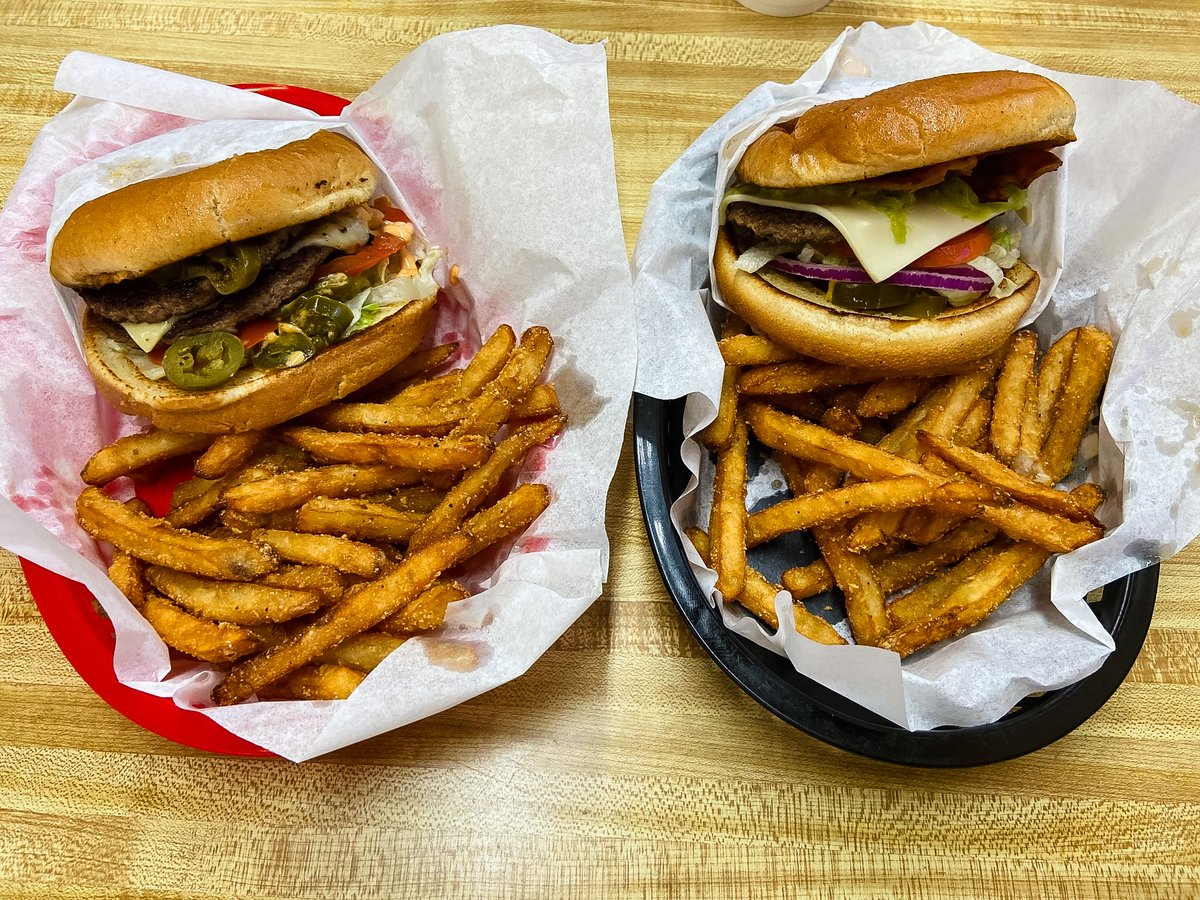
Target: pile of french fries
931,499
300,556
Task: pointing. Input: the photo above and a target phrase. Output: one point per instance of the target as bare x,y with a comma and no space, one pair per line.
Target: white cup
784,7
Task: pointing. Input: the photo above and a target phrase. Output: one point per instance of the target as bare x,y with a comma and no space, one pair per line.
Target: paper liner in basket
497,142
1116,237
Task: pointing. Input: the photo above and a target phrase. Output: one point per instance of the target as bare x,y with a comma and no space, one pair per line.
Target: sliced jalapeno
289,349
229,269
312,302
202,361
340,286
321,329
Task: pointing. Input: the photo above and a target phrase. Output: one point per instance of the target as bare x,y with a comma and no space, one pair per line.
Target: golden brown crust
901,347
252,400
920,123
142,227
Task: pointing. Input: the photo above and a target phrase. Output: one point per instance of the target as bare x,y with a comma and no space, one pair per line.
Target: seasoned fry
892,395
443,388
539,403
806,406
1040,408
227,453
719,432
322,549
841,420
412,366
216,642
239,602
324,581
128,574
354,518
513,384
363,651
407,451
800,377
1080,393
758,596
509,515
753,350
991,471
427,612
323,682
158,542
923,600
138,450
974,428
1025,523
487,363
474,487
292,489
391,418
418,498
1014,385
728,518
355,613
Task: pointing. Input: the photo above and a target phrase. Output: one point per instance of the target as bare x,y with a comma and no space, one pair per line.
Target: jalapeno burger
235,296
872,232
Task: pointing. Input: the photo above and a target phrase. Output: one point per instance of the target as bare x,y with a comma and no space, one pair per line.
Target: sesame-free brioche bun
872,340
252,399
909,126
137,229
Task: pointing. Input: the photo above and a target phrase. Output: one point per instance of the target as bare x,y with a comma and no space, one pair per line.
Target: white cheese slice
147,334
869,231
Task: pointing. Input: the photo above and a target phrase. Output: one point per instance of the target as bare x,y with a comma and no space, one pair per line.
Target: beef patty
787,226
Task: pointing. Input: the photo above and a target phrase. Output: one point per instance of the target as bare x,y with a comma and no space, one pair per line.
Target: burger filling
271,302
910,244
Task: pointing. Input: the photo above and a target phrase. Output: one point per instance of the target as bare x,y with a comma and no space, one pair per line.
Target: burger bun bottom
866,340
252,399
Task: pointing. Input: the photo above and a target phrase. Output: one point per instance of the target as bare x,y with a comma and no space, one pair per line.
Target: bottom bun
252,399
875,341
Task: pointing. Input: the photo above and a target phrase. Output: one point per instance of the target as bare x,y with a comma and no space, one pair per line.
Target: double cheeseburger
244,293
872,232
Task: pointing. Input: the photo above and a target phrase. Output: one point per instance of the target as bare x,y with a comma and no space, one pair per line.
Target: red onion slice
952,278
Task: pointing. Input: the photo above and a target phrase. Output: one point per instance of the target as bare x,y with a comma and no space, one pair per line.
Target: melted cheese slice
147,334
869,231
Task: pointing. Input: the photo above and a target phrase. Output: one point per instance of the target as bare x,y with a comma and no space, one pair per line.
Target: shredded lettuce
382,300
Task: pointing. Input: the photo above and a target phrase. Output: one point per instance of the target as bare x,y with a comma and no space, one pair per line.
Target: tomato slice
383,246
254,331
957,250
156,355
390,212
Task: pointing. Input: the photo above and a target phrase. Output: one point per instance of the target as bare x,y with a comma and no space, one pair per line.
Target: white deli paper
497,142
1117,228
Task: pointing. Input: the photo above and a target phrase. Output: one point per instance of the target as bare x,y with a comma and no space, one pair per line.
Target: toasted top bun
252,399
872,340
917,124
142,227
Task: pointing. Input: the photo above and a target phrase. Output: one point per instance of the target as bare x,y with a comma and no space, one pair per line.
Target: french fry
973,430
292,489
806,406
753,350
356,612
841,420
199,503
406,451
758,596
237,602
322,549
728,519
800,377
128,574
363,651
412,366
487,363
216,642
425,392
922,601
1050,380
139,450
1014,385
853,573
356,518
990,470
719,432
812,442
892,395
324,581
158,542
1026,523
1080,392
418,498
228,452
427,612
474,487
323,682
511,514
514,382
539,403
391,418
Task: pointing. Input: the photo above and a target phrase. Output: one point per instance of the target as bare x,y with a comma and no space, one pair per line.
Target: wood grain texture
624,764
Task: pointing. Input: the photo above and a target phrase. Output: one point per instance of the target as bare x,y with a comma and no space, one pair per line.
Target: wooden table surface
624,763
